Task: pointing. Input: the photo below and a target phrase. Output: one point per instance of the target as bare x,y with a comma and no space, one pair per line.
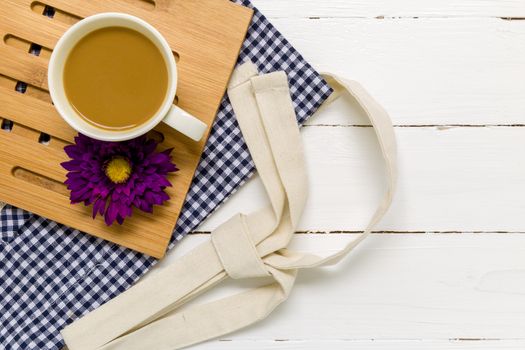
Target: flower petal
111,213
99,207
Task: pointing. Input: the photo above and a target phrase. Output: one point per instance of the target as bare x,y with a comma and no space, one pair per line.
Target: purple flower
115,177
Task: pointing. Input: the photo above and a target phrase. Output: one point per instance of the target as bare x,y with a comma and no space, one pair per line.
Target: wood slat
31,91
371,344
59,15
20,147
206,36
393,287
391,8
23,67
18,19
88,8
450,180
423,71
26,110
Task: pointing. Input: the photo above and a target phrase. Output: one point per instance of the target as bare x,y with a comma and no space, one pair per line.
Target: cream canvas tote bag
247,246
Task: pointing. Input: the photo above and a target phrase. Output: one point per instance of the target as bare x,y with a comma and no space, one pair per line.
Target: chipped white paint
447,181
424,71
426,290
437,63
391,8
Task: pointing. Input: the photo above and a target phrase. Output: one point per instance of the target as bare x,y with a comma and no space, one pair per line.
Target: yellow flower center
118,170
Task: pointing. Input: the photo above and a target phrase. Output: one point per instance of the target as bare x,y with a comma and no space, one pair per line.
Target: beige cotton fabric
247,246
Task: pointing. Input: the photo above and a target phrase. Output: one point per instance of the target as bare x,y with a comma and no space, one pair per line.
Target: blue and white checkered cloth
50,275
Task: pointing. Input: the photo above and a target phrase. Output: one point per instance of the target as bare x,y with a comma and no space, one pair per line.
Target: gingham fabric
51,275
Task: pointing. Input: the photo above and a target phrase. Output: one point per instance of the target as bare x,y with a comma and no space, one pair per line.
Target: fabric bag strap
247,246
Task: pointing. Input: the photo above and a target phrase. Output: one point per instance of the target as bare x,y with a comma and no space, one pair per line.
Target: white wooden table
447,269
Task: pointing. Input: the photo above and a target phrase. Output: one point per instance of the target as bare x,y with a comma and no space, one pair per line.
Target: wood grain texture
451,179
391,8
287,344
425,71
423,291
206,36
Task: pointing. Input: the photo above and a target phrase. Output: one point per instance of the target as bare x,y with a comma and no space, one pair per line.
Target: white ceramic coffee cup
167,113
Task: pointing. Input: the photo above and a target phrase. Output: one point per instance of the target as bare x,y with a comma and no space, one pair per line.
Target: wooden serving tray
206,36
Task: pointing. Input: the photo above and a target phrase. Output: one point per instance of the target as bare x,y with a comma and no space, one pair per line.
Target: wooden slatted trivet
206,37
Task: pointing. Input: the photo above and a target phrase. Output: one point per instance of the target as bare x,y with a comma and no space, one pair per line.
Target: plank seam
394,18
441,126
452,340
345,232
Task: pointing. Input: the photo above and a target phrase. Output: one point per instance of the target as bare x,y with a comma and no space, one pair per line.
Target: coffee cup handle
185,123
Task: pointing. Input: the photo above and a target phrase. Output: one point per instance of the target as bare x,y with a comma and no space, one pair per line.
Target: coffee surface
116,78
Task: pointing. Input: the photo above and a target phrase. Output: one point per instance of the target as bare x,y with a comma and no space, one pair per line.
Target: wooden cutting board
206,37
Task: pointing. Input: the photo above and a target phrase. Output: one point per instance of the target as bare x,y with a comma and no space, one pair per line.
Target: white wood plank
451,179
366,345
427,71
391,8
397,288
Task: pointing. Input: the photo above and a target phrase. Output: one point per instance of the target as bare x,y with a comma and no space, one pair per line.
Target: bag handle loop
246,246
